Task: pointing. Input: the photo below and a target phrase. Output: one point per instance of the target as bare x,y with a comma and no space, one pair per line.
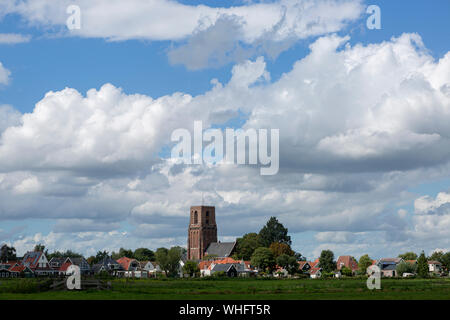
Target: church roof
220,249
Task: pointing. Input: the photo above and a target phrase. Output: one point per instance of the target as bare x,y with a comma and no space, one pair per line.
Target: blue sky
53,60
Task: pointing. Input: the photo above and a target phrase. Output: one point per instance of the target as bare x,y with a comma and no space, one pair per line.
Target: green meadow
240,289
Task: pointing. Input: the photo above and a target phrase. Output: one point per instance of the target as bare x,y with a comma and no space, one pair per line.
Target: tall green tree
326,261
144,254
100,256
7,253
39,248
364,262
273,231
445,260
437,256
191,268
278,249
408,256
289,263
422,266
263,259
246,245
67,253
169,260
122,253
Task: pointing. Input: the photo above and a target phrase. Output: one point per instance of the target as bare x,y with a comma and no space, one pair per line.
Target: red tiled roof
434,262
17,268
125,262
301,264
248,264
204,264
313,270
64,266
313,263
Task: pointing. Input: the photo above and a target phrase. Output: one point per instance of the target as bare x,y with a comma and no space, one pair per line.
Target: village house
315,271
6,270
38,263
108,265
348,262
388,266
243,268
434,266
63,263
304,266
130,268
151,268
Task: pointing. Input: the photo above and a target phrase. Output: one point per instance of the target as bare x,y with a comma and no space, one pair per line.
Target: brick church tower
202,231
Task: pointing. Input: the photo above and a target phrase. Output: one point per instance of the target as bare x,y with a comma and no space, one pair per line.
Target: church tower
202,231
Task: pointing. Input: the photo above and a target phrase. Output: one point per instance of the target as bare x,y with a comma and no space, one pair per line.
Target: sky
86,117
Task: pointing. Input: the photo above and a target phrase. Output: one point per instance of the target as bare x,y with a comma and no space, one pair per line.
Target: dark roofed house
108,265
388,266
228,268
85,268
61,264
221,249
56,263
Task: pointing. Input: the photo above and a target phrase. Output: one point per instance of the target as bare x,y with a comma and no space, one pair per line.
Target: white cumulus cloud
4,75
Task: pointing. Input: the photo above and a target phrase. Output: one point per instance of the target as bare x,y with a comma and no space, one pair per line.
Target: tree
100,256
7,253
144,254
59,254
169,260
326,261
263,259
191,268
299,256
445,260
437,256
408,256
406,267
281,248
422,266
345,271
91,260
246,245
289,263
364,262
123,253
273,231
39,247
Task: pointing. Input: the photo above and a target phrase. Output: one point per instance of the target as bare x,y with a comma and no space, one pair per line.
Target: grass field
247,289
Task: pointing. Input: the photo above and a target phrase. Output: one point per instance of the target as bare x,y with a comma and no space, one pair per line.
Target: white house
150,267
434,266
315,273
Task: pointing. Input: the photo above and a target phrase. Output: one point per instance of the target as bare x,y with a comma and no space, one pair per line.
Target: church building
202,235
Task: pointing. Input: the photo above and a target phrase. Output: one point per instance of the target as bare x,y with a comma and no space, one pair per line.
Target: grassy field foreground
222,289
